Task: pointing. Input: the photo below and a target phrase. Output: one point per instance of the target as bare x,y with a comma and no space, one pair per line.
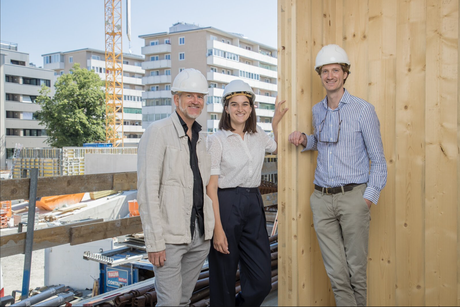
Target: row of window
224,54
249,75
26,132
16,97
167,72
131,98
155,88
167,41
157,102
28,81
36,81
154,117
20,115
54,58
132,110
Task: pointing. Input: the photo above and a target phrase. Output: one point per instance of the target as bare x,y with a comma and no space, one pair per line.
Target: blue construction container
112,278
97,145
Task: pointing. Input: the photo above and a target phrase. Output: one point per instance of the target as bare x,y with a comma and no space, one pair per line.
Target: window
181,69
181,56
167,57
223,71
213,69
213,85
154,88
181,40
168,87
70,59
213,38
167,72
154,43
96,57
125,62
167,41
155,73
213,116
154,58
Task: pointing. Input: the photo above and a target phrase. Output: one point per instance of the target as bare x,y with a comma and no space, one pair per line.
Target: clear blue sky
45,26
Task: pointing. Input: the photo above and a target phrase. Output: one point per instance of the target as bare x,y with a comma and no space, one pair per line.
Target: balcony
214,108
157,110
265,99
132,80
163,48
21,106
54,66
156,79
264,113
265,126
156,94
156,64
24,89
132,128
230,64
255,84
132,116
215,44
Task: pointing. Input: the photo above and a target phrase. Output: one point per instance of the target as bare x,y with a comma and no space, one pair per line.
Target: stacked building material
146,295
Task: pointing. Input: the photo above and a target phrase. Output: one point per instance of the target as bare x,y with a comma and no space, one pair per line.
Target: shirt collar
345,99
195,127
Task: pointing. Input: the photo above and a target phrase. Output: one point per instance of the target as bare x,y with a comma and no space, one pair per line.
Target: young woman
240,235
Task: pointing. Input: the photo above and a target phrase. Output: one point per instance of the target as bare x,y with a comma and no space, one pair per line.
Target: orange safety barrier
133,207
5,213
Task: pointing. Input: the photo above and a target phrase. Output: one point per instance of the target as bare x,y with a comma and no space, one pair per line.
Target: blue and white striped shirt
347,161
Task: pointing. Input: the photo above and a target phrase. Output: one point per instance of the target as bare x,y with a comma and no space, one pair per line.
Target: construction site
89,217
405,62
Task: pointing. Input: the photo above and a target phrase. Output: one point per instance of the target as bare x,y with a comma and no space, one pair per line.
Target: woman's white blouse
239,162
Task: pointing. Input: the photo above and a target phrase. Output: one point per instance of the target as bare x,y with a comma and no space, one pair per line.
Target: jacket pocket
173,211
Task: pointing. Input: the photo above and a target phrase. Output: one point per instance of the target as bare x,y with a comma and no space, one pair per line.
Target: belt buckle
325,191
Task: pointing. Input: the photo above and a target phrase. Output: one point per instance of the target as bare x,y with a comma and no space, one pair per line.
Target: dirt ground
13,268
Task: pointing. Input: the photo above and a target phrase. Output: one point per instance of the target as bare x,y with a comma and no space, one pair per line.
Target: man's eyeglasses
322,126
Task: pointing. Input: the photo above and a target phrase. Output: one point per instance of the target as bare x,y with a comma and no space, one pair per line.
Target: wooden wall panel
405,61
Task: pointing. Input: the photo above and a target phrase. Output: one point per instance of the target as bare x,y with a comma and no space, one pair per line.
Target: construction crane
113,73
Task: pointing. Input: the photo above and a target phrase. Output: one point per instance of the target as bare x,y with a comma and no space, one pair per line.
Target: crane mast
113,72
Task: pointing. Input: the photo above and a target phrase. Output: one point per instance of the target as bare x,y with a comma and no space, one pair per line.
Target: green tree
76,113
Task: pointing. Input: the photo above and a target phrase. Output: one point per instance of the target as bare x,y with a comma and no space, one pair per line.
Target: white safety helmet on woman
238,87
190,81
331,54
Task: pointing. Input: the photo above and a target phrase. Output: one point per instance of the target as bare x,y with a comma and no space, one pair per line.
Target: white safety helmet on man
331,54
238,87
190,80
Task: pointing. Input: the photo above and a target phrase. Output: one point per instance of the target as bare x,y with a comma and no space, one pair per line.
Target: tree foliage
76,113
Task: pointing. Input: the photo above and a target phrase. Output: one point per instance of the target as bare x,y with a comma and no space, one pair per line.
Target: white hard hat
190,81
331,54
238,87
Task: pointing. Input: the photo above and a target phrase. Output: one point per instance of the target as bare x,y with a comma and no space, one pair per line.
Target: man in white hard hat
347,137
173,170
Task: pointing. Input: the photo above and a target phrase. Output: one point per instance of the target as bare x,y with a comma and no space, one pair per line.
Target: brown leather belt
335,190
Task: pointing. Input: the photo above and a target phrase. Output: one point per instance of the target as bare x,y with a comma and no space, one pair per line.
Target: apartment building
93,59
20,83
221,56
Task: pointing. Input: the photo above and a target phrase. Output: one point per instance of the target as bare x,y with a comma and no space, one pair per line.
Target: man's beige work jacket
165,184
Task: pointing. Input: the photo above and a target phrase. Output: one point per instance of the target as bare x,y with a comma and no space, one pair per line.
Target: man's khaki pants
342,227
175,281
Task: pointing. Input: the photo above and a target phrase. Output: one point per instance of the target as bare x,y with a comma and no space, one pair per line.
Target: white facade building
20,83
133,73
221,57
